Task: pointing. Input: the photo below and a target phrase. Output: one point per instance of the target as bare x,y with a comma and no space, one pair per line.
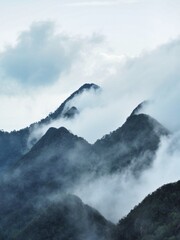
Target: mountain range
37,180
16,143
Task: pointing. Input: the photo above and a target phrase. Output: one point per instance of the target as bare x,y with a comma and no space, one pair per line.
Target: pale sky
130,25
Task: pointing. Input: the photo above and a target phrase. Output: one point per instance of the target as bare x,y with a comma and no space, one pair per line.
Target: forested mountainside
157,217
37,188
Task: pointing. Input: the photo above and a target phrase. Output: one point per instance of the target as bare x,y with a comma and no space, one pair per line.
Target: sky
50,48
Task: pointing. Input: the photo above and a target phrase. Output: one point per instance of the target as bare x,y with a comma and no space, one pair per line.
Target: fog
153,76
115,195
125,82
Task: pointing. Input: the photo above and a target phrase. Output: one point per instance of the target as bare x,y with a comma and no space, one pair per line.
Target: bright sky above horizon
130,25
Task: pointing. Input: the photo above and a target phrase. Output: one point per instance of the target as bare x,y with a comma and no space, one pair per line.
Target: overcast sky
44,43
130,25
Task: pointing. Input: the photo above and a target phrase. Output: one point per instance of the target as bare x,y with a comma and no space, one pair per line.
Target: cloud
155,76
39,71
39,57
125,83
115,195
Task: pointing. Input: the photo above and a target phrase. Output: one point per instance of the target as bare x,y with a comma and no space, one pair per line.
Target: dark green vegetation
156,218
68,218
34,188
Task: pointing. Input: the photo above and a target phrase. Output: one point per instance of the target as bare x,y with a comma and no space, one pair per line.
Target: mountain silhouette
16,143
37,187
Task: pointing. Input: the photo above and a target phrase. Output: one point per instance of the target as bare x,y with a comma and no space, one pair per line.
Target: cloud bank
39,71
115,195
125,83
39,56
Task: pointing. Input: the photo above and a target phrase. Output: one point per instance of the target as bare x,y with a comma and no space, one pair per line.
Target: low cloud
39,57
125,83
115,195
152,76
40,71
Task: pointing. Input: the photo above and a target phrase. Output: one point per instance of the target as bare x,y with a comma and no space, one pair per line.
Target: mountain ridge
16,143
156,217
32,203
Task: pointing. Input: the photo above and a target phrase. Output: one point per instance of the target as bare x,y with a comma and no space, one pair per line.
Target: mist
116,195
152,76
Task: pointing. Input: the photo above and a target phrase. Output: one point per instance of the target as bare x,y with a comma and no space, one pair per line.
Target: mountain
157,217
129,144
61,217
53,166
62,110
66,218
35,189
15,144
60,159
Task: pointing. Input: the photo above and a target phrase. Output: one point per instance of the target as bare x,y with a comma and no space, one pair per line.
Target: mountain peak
60,110
88,86
136,141
140,107
141,121
18,141
54,134
53,130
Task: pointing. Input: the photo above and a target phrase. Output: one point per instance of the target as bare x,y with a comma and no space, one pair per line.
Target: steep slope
15,144
156,218
53,166
62,109
60,159
134,144
56,162
67,218
56,217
